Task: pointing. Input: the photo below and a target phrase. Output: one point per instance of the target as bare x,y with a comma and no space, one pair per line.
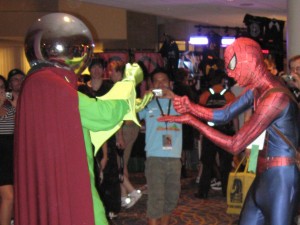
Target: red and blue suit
273,195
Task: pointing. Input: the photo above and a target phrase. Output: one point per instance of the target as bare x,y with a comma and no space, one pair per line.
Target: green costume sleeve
113,113
97,114
101,117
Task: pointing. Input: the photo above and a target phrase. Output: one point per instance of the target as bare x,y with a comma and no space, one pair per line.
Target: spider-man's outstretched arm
265,113
218,116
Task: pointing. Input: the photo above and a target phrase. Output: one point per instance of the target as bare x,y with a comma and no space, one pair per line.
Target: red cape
52,184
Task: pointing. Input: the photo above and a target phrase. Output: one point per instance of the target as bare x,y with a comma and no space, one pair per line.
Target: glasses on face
295,69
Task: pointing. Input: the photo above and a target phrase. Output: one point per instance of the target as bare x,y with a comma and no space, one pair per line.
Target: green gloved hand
141,103
133,72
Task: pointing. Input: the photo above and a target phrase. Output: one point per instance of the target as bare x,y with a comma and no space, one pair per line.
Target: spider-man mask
244,62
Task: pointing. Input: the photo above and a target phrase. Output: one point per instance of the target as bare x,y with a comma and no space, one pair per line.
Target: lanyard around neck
162,112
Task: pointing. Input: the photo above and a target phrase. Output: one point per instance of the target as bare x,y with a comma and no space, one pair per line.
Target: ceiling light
198,40
225,41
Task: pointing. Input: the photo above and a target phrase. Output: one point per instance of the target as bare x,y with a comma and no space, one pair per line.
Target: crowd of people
173,118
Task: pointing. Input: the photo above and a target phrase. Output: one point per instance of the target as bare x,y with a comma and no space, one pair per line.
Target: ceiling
211,12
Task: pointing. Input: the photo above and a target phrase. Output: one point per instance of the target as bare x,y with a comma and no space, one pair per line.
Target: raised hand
133,72
182,104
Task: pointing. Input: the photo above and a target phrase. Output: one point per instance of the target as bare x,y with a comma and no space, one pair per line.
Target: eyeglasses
295,69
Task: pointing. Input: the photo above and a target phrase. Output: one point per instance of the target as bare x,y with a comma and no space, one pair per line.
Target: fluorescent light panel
198,40
225,41
203,40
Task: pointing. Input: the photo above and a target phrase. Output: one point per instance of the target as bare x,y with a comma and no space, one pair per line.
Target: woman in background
7,124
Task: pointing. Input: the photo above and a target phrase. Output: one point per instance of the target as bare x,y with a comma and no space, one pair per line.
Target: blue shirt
162,139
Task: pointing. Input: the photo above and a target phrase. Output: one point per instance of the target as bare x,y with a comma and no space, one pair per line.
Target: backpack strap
292,97
286,140
282,90
281,135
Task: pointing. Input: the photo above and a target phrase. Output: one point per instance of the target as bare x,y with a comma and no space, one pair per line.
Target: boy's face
161,81
97,71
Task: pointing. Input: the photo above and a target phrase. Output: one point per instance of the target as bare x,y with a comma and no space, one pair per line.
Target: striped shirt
7,122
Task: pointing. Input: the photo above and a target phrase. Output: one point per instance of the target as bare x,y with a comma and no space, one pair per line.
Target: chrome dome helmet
60,39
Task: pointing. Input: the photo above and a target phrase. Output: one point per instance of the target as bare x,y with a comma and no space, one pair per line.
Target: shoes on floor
213,181
112,215
215,184
133,198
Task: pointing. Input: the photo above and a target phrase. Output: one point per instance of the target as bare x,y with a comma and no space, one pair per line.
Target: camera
288,78
9,95
157,92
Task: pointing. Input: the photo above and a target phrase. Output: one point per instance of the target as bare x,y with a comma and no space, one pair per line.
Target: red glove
185,118
182,104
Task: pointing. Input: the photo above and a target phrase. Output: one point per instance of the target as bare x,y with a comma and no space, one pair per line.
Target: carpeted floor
190,210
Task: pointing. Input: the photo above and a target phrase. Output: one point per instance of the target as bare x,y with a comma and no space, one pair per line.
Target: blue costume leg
272,197
251,214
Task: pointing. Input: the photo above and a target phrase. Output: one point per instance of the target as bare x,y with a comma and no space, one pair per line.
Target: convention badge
167,142
255,146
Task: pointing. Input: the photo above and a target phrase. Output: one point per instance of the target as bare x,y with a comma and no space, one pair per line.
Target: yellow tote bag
238,185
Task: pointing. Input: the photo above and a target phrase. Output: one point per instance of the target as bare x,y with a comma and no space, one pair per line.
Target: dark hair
96,61
181,74
4,81
117,65
85,78
217,77
294,58
159,70
14,72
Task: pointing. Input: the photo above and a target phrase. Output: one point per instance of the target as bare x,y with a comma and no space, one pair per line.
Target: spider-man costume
273,194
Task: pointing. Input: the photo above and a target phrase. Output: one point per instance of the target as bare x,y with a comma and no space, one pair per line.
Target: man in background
163,153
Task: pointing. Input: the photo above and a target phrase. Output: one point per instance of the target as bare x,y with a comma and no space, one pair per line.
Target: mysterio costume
54,178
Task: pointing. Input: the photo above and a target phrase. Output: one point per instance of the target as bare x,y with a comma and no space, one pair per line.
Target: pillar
293,28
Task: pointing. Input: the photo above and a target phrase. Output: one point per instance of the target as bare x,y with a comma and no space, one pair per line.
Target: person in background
294,77
170,53
97,87
124,140
293,83
163,152
7,124
216,96
181,87
15,78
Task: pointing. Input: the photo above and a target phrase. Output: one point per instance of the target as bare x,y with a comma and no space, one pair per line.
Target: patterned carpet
190,210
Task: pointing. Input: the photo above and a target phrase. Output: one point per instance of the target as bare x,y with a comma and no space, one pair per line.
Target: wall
105,23
16,16
142,31
112,28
